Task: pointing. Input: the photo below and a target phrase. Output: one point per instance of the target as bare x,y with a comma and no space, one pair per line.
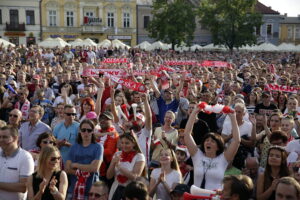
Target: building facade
290,30
268,32
20,21
94,19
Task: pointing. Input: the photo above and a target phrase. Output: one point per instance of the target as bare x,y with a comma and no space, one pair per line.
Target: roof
291,20
144,2
263,9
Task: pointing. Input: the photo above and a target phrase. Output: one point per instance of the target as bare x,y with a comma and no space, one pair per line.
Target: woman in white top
211,159
163,180
125,166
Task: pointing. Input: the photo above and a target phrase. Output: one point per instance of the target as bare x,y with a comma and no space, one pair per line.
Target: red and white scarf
125,157
80,184
24,109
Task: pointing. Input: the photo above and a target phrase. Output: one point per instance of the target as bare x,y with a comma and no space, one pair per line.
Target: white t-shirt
293,146
144,141
19,165
171,178
245,129
126,165
59,99
213,168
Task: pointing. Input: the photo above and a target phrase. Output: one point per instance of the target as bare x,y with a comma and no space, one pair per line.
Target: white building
20,21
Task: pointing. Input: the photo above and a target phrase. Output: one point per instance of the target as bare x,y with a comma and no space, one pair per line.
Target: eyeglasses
12,115
20,94
83,130
84,77
34,111
70,114
52,159
91,194
47,142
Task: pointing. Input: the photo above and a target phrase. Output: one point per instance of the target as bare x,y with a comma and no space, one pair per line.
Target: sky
291,7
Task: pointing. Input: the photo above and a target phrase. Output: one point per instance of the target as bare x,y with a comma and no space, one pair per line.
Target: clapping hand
43,185
52,185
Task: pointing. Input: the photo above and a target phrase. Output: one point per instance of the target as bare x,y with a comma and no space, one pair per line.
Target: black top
261,109
36,181
200,129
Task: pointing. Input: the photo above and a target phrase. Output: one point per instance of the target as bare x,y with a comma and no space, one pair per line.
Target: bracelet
55,192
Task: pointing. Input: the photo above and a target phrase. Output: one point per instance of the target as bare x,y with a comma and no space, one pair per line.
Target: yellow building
290,30
94,19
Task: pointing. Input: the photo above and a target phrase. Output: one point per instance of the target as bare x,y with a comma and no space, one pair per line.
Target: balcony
60,29
93,29
15,27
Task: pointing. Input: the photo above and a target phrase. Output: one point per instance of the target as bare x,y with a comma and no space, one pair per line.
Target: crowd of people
68,134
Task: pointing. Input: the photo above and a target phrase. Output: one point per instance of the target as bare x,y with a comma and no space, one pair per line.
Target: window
297,32
290,32
269,29
52,17
0,16
257,30
126,20
89,14
14,17
110,19
30,17
146,21
70,18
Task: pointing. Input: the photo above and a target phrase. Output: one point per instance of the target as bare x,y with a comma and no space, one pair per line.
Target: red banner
180,62
283,88
209,63
116,60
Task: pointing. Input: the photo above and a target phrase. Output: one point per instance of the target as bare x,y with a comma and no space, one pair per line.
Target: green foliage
231,22
173,22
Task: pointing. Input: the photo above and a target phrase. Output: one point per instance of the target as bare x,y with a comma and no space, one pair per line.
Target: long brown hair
284,171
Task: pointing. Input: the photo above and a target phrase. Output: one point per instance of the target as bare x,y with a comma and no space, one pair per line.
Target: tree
231,22
173,22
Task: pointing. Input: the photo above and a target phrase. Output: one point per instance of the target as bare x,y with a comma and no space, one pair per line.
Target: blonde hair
174,163
43,160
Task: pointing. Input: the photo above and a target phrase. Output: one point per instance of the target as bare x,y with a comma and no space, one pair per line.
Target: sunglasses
12,115
91,194
70,114
55,158
48,142
83,130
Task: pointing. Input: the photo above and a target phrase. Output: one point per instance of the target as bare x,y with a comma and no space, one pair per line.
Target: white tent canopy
213,47
51,43
158,45
118,44
287,47
88,42
105,43
6,43
144,45
265,47
77,42
196,46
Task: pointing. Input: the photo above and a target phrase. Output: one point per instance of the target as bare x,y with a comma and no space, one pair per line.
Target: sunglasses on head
48,142
55,158
86,130
70,114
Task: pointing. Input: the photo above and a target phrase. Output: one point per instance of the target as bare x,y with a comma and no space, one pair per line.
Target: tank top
36,181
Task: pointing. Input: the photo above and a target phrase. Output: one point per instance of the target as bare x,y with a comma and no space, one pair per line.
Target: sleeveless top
36,181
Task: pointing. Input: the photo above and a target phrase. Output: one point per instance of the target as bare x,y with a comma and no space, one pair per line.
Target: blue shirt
84,155
69,133
29,134
163,108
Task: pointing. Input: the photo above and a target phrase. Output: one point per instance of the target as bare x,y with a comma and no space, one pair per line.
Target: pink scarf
24,109
80,185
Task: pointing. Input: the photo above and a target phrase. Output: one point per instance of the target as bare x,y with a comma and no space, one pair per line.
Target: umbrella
6,43
213,47
51,43
196,46
77,42
105,43
157,45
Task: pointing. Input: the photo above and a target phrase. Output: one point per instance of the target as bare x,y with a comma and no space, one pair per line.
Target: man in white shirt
16,165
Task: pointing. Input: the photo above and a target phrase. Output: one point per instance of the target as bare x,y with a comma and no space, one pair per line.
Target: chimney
285,14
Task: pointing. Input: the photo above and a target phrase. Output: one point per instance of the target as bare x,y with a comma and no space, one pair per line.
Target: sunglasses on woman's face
48,142
83,130
52,159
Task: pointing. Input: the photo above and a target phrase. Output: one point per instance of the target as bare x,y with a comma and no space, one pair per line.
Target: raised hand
52,185
43,185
